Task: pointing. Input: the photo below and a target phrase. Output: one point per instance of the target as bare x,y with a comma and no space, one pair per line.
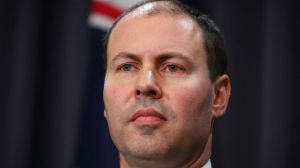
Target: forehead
134,29
161,20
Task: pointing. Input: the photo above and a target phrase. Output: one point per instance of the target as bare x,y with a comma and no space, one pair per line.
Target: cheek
191,105
117,98
112,102
191,101
114,97
115,94
110,93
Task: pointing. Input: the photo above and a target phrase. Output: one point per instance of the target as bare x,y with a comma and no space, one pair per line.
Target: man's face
158,94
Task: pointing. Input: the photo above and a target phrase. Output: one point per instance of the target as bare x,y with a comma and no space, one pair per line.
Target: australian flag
96,149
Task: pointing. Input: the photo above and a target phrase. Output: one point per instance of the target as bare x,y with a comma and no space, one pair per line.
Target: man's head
165,84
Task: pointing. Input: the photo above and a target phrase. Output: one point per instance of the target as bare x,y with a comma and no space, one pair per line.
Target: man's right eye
127,68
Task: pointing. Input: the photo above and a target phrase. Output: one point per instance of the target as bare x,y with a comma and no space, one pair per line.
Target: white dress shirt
207,165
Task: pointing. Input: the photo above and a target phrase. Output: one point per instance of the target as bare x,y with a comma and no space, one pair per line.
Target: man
165,85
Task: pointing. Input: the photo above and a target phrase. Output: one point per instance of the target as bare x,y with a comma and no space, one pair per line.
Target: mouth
147,116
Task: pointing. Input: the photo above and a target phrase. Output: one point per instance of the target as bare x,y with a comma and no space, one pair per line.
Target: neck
197,161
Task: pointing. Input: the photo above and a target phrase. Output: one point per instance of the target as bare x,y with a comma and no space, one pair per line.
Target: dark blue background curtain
44,62
51,112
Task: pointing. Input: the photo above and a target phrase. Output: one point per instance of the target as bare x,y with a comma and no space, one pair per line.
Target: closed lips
147,113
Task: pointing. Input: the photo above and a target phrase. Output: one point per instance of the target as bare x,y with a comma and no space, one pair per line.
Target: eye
127,67
173,68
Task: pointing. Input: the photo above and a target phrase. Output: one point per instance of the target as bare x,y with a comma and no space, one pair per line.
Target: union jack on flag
104,12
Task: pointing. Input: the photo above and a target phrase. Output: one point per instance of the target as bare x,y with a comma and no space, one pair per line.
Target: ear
105,113
222,90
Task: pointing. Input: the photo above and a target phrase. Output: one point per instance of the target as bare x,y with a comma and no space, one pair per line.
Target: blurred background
51,113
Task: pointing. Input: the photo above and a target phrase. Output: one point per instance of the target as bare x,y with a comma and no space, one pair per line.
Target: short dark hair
213,39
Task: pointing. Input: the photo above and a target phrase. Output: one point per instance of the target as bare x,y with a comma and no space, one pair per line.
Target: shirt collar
207,165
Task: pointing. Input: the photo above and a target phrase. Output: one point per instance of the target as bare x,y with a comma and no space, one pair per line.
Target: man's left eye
173,68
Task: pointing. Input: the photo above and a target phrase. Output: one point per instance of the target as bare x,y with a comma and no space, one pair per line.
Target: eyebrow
169,55
160,58
124,55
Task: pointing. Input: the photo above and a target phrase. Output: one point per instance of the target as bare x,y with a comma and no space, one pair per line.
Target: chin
148,149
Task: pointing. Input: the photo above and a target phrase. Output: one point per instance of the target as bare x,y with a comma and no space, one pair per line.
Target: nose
147,86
